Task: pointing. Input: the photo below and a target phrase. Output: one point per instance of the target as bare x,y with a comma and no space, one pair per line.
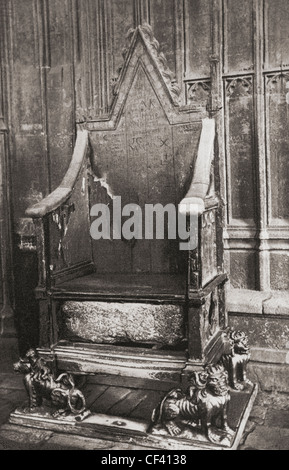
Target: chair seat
167,287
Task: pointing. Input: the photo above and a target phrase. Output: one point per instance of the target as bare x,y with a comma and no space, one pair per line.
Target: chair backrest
144,152
147,150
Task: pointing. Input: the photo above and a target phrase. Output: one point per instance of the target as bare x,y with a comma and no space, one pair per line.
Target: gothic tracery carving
153,46
239,86
198,92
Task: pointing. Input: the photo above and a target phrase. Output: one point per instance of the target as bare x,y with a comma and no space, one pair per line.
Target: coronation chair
124,316
142,307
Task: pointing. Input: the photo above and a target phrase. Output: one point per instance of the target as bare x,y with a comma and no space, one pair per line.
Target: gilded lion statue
236,362
205,405
41,384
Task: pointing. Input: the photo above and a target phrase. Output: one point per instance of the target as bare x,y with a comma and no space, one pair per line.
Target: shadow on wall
26,308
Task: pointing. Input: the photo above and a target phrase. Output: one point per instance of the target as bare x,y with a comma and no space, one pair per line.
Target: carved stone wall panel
163,22
100,29
30,150
276,34
239,116
122,14
243,269
1,286
277,104
198,93
142,11
3,223
270,334
93,36
60,89
279,270
197,38
30,57
242,68
27,103
6,274
238,36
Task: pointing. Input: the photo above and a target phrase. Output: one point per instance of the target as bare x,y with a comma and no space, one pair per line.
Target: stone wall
265,319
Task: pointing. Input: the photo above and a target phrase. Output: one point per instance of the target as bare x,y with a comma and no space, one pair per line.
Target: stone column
7,328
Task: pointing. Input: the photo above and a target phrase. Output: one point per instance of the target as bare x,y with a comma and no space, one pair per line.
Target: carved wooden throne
136,308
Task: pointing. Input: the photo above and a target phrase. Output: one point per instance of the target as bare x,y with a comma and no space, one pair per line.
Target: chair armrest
60,195
194,200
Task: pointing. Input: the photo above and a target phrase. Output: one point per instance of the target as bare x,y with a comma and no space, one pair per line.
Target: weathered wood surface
126,285
138,157
64,190
200,184
130,398
135,409
121,429
144,113
141,363
132,402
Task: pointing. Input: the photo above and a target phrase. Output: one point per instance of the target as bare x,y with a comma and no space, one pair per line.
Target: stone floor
267,427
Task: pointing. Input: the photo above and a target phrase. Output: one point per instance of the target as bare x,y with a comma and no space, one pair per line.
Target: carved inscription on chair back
145,154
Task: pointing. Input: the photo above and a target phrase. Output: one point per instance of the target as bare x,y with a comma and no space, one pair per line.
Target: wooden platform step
134,431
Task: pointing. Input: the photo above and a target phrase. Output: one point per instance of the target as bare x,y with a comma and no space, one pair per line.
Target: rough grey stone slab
272,400
280,401
258,414
277,303
257,302
273,356
263,332
18,437
105,322
278,418
246,301
270,377
267,438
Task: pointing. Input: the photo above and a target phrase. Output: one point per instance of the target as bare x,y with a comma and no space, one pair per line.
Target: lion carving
236,362
205,405
40,384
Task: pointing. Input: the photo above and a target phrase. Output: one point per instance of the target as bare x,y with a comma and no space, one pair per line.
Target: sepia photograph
144,227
